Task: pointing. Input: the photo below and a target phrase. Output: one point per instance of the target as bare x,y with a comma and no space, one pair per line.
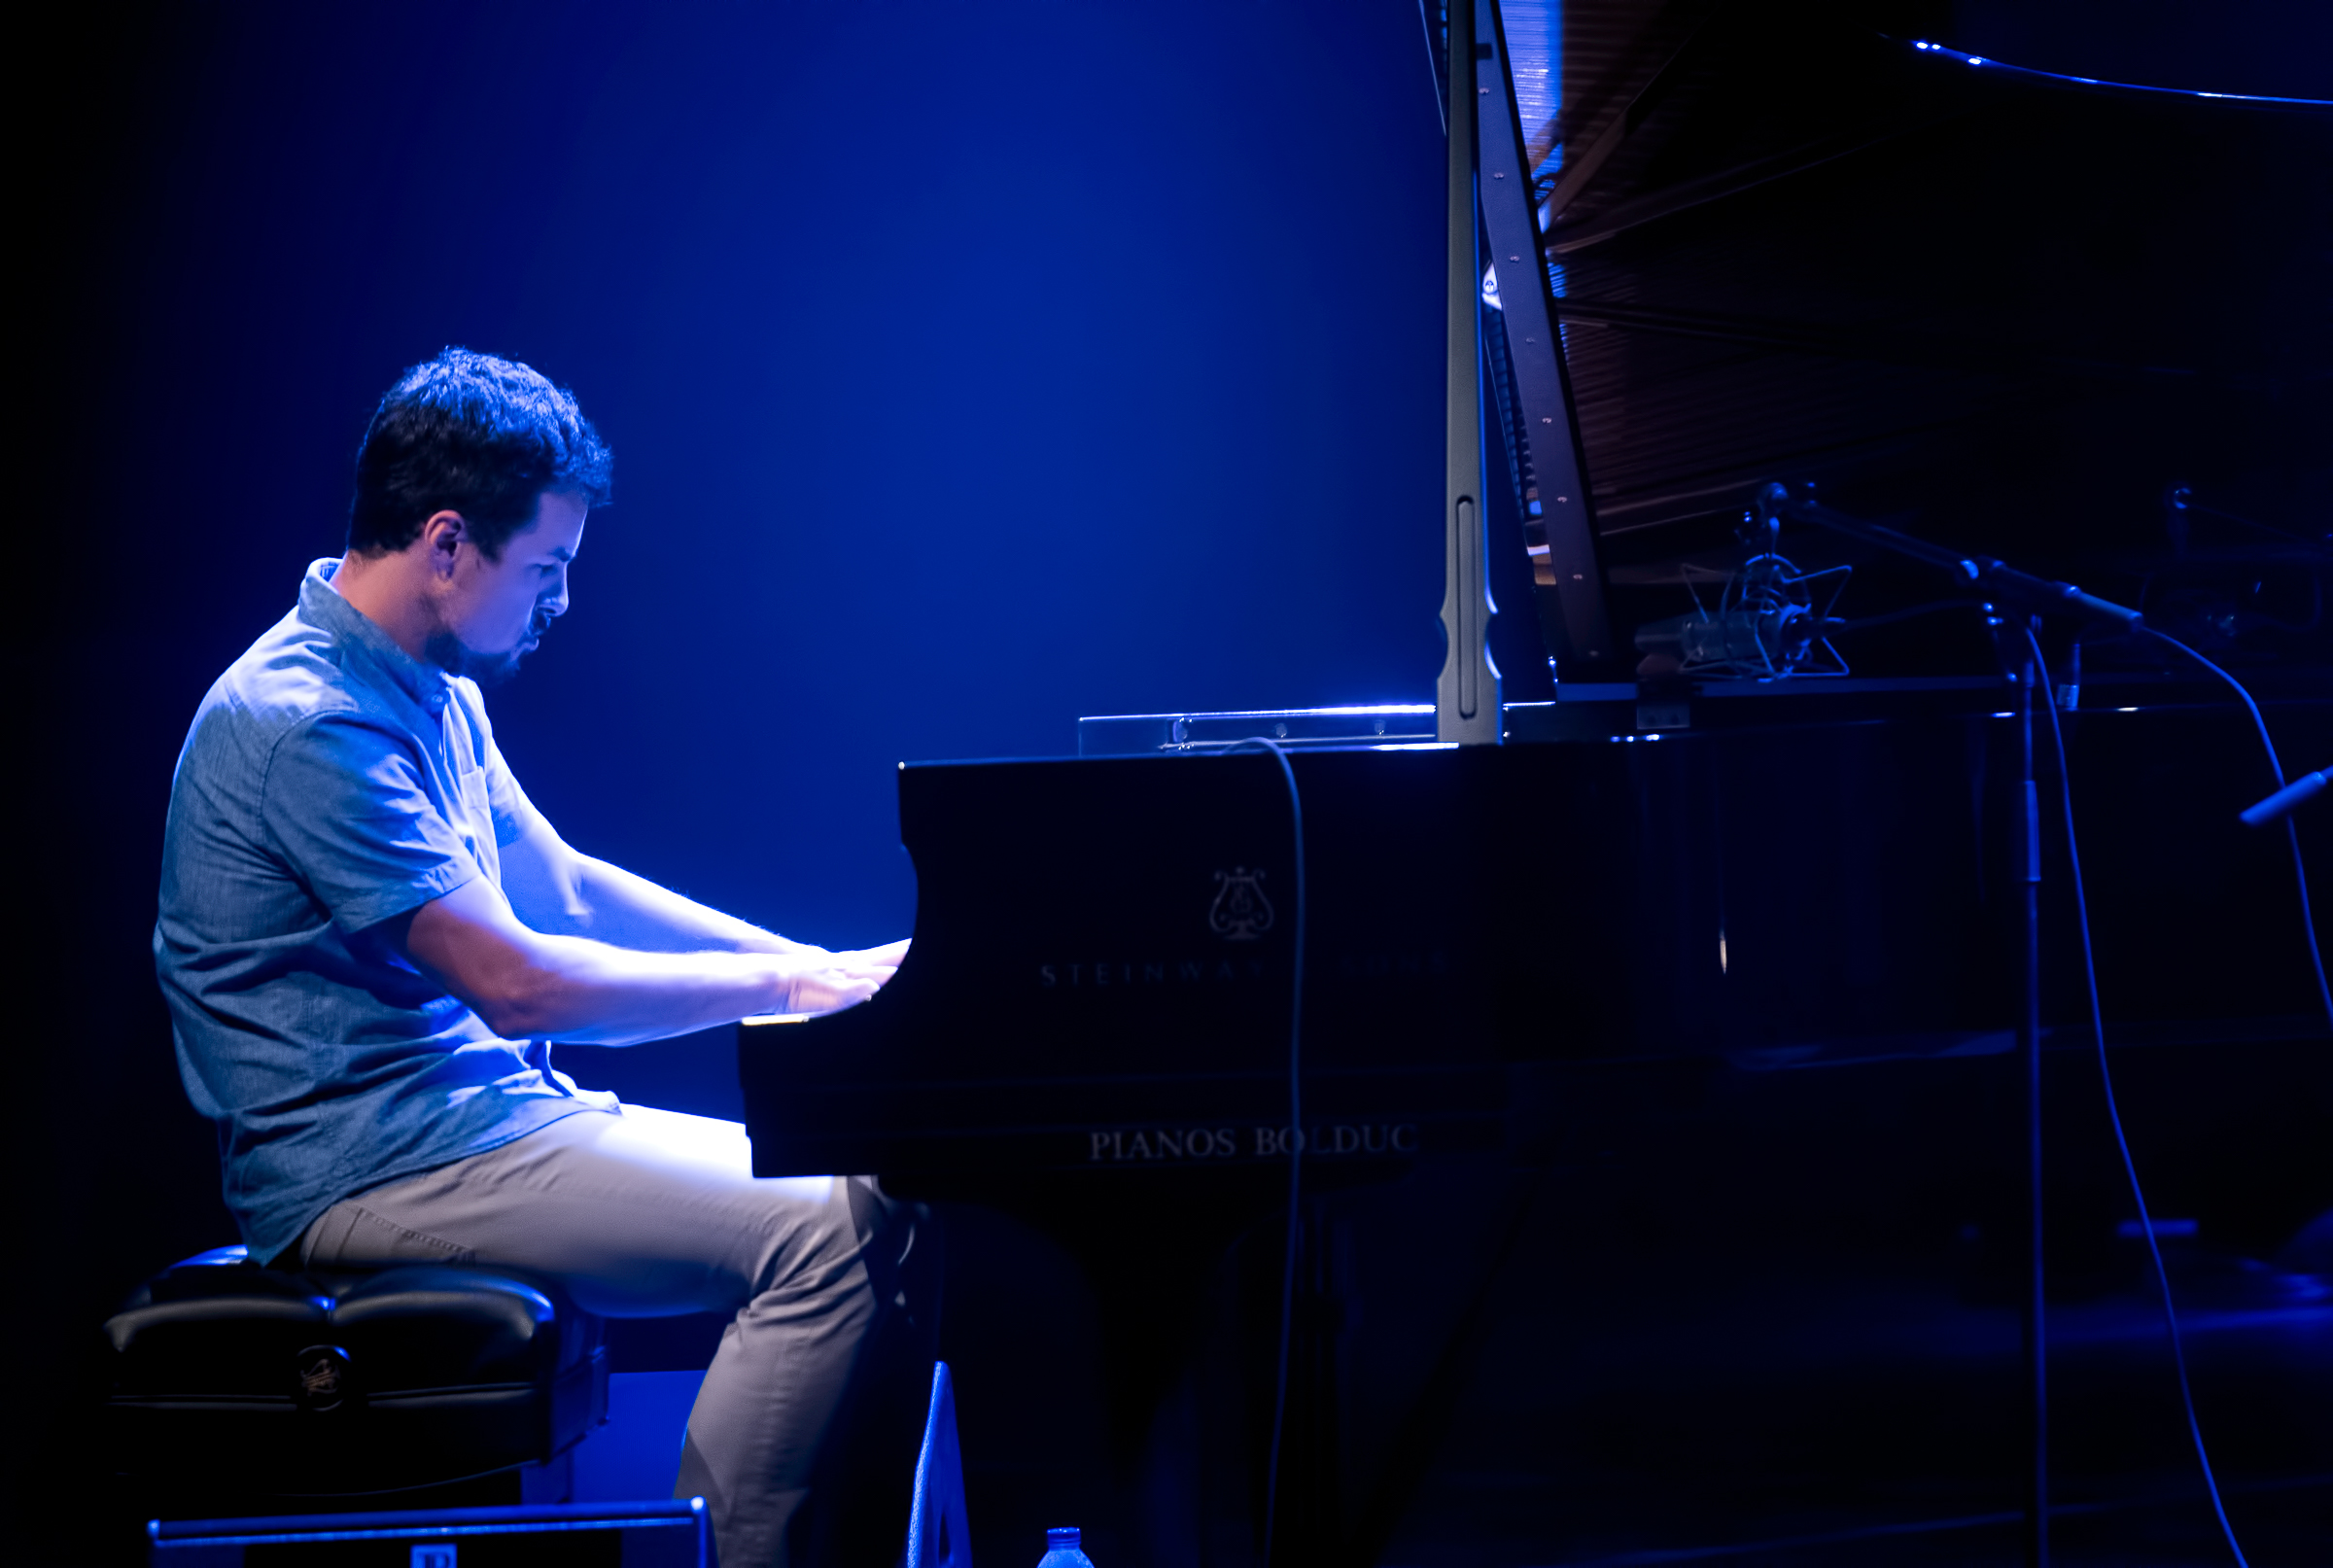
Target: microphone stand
1993,582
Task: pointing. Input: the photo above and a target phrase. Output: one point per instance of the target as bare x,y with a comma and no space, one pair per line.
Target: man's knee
898,1244
857,1248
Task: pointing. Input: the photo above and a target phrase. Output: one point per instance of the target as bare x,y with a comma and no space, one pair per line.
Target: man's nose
554,603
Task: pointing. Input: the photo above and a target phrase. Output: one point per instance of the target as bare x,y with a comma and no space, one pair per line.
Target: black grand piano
1657,1103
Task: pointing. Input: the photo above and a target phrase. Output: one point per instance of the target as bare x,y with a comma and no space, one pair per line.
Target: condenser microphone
1774,635
2282,803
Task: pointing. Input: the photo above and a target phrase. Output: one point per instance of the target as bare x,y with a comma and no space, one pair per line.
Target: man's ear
443,536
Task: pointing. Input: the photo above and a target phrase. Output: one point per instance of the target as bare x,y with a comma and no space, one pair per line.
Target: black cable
1296,1145
2129,1167
1433,65
2292,832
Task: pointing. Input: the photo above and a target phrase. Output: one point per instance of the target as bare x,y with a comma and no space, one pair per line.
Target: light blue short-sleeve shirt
331,782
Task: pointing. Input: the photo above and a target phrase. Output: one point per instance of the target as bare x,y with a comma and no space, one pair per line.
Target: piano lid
1999,310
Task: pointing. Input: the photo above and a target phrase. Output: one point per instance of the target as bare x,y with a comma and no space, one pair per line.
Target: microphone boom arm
1994,579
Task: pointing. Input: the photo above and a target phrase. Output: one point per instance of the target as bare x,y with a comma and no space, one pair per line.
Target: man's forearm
533,984
570,987
629,911
566,947
579,990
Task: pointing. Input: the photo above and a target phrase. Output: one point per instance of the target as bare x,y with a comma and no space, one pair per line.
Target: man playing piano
368,936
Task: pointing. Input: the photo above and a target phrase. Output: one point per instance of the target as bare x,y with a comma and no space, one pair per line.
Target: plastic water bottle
1061,1550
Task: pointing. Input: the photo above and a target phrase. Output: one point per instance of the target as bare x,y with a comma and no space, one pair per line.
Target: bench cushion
315,1382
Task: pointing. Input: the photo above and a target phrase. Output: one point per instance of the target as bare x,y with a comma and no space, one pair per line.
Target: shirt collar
321,605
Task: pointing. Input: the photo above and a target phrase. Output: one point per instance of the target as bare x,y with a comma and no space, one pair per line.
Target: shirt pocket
475,815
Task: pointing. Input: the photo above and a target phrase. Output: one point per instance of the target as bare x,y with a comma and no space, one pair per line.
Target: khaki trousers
646,1213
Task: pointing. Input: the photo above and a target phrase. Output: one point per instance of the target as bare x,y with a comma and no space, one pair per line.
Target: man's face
493,613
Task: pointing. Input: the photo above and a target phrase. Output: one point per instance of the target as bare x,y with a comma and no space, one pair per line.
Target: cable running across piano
1295,1139
2122,1142
2292,832
1434,65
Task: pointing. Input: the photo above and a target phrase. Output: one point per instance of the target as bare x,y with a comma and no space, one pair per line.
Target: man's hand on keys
818,981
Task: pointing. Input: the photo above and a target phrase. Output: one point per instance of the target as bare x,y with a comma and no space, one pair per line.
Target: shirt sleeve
347,804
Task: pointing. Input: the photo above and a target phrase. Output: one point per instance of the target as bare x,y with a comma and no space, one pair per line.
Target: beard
447,652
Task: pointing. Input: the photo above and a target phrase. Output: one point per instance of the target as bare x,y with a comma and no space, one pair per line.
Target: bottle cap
1067,1537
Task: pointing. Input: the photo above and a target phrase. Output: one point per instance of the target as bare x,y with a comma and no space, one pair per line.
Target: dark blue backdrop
968,369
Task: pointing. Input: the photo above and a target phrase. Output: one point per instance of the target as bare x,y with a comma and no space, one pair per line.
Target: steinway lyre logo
1241,911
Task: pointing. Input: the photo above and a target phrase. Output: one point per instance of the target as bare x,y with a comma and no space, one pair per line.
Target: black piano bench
227,1380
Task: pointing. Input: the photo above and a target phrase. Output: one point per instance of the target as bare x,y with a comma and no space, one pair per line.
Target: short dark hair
476,434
